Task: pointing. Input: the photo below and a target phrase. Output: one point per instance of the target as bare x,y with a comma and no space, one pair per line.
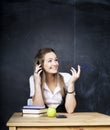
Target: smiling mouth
54,68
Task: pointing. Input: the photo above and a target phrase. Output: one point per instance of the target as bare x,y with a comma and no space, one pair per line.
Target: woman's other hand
75,75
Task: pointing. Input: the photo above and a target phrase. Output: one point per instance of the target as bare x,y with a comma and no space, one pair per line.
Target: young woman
51,88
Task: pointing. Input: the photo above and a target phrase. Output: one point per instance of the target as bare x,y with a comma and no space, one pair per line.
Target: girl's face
50,63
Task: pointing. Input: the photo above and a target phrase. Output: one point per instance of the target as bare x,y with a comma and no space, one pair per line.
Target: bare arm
38,97
70,102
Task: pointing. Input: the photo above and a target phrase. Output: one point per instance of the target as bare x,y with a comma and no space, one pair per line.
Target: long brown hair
39,59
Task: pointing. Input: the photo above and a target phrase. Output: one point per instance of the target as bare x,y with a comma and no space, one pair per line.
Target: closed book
33,115
34,109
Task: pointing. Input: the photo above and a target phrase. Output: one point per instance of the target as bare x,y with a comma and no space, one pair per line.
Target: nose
55,62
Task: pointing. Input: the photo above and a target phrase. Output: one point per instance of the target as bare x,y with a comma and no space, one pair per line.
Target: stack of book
34,111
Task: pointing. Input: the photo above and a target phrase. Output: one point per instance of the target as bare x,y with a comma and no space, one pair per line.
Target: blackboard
79,31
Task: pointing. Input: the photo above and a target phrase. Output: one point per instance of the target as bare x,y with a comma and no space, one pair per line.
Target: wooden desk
75,121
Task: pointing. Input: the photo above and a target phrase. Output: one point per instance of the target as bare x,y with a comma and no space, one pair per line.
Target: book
34,109
33,115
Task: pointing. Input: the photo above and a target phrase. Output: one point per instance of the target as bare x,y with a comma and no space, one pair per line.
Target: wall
79,31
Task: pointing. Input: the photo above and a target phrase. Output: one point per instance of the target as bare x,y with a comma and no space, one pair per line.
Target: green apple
51,112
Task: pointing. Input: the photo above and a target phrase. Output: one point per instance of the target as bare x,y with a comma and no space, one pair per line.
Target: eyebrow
53,58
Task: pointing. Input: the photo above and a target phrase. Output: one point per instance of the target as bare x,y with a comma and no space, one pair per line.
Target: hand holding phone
38,69
37,74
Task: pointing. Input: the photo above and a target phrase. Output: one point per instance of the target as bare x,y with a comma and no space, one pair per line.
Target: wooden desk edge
19,114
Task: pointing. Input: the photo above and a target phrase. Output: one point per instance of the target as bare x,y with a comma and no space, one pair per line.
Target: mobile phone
39,62
61,116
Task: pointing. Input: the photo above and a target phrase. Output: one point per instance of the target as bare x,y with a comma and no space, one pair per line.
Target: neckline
57,88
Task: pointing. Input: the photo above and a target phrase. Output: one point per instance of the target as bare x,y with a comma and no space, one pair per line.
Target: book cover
33,107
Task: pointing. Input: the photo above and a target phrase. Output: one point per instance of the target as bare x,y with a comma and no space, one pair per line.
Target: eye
56,59
49,61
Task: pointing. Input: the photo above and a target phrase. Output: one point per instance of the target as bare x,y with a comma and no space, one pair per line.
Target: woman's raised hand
37,72
75,74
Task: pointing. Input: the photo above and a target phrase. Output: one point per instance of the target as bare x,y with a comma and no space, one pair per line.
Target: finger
38,66
79,70
39,72
73,71
38,69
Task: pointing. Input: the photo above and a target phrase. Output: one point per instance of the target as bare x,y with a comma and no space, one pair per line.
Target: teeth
53,68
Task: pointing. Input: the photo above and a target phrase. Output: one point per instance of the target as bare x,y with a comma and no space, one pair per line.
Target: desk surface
75,119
